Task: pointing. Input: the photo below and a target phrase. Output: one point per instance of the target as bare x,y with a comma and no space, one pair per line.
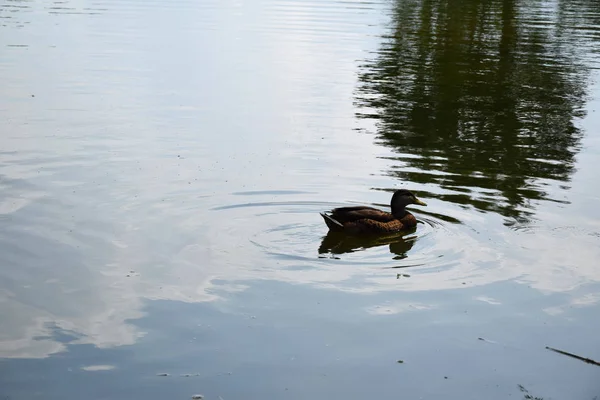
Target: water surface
162,167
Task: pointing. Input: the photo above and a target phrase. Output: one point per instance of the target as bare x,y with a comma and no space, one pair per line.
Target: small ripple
272,203
301,240
269,192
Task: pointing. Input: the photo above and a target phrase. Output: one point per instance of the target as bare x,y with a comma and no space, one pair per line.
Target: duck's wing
372,226
332,224
352,214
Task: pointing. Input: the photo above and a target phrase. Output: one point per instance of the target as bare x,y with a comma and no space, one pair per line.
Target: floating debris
400,361
527,395
197,397
587,360
485,340
162,374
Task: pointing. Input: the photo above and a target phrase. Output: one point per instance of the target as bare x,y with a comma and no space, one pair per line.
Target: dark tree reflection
481,97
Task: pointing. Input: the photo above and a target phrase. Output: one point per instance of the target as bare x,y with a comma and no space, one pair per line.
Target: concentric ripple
293,235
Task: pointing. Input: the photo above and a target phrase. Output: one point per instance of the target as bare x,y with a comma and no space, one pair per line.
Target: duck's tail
332,224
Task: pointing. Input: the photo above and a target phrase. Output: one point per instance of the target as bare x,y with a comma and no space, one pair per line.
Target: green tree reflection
481,97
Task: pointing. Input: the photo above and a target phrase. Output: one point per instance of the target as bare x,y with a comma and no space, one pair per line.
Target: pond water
163,166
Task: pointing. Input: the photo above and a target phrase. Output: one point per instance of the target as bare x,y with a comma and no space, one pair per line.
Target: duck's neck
399,212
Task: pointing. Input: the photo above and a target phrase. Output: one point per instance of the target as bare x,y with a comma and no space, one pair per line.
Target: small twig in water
587,360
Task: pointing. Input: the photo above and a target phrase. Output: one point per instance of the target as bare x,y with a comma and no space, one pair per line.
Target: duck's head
401,199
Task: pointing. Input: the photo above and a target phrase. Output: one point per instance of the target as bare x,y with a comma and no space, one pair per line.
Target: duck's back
352,214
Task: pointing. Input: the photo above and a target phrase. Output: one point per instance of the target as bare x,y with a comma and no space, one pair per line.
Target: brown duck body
363,219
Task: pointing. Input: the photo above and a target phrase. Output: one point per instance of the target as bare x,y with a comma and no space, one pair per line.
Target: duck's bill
419,202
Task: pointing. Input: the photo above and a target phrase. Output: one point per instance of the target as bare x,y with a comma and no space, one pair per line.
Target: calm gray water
163,166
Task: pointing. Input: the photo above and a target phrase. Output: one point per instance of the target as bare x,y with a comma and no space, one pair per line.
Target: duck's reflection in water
335,243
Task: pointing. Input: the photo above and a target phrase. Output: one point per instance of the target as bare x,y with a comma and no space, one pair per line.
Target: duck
369,220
